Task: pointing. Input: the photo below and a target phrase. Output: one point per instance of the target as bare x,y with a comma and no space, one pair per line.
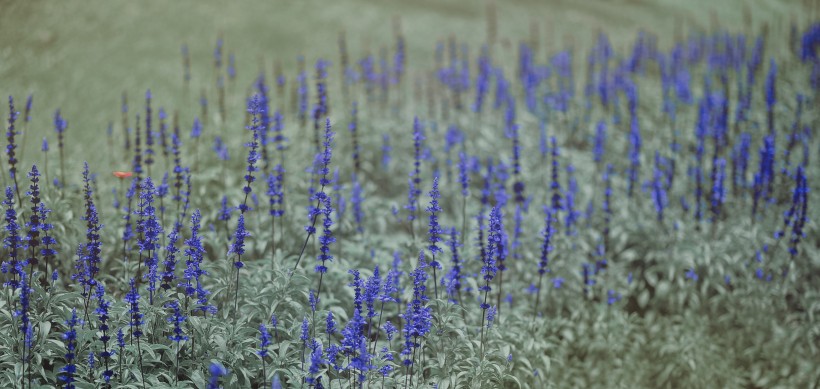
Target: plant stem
313,227
139,353
435,279
236,294
264,374
537,297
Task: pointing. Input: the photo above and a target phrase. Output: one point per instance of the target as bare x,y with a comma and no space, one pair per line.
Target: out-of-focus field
81,55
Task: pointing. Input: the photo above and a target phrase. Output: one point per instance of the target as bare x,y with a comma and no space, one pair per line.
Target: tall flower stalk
149,231
417,317
135,323
11,147
325,241
276,196
177,319
255,108
35,224
238,248
60,126
414,189
92,248
68,371
264,342
324,170
434,233
546,248
489,269
103,306
12,242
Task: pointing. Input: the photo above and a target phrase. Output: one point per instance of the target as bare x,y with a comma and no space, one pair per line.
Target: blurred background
80,56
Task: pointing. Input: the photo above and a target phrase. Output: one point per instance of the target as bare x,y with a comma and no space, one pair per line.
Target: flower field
450,195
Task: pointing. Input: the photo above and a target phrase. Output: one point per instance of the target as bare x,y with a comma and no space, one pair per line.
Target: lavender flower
217,371
238,245
658,189
93,246
771,87
316,362
546,248
35,224
302,91
327,237
390,330
60,126
612,297
600,142
276,192
491,316
354,134
70,339
483,79
221,149
555,186
264,341
256,109
225,211
278,138
418,315
764,178
27,112
12,241
120,339
634,155
305,334
386,149
518,185
196,129
414,190
177,319
463,175
149,134
330,324
371,290
10,134
797,213
323,161
135,321
434,233
149,230
718,188
691,275
453,279
494,248
194,252
102,314
238,248
569,201
312,300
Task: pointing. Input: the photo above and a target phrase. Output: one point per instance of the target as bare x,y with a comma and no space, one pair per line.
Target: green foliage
665,331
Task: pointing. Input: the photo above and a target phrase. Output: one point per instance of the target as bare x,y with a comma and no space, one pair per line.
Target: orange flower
122,175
